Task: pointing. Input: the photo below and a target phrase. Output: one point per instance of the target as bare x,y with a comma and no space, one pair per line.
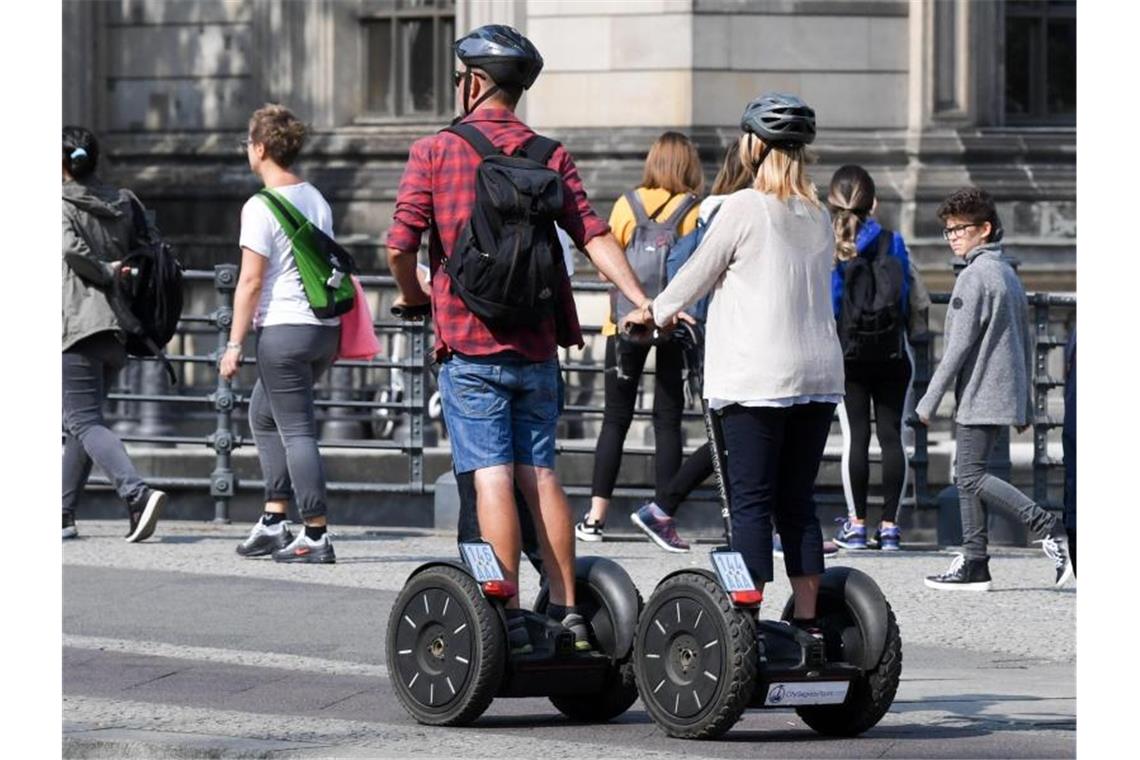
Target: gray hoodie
97,229
987,353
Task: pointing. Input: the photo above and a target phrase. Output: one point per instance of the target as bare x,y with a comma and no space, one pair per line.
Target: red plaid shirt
437,191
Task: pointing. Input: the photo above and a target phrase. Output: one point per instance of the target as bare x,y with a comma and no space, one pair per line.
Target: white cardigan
771,331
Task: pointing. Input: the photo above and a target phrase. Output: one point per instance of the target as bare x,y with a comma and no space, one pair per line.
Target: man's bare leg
552,521
498,519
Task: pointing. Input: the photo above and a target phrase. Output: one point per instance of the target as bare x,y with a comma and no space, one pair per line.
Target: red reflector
499,589
747,598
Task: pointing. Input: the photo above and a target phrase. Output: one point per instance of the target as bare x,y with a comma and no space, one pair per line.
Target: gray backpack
648,248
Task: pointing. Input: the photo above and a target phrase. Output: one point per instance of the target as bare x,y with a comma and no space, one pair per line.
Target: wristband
231,345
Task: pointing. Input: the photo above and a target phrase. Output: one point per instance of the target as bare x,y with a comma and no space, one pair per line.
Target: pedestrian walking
646,222
773,364
880,302
100,225
294,346
1069,445
497,333
987,360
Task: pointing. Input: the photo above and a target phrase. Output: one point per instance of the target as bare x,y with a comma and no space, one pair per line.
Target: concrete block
546,8
179,51
802,43
660,41
578,43
888,44
165,104
712,41
611,99
166,12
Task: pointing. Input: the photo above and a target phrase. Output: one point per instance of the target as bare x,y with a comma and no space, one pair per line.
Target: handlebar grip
913,421
419,311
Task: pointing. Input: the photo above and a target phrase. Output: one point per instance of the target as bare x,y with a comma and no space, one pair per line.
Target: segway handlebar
419,311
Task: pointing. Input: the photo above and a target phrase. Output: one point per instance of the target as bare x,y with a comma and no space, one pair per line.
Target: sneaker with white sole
660,527
962,575
1056,548
851,536
265,539
69,529
588,531
306,550
144,516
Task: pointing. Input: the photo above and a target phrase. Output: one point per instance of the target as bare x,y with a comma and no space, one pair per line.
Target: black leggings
621,397
885,385
696,468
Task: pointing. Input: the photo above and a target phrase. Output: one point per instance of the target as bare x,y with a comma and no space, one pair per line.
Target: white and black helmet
507,56
780,119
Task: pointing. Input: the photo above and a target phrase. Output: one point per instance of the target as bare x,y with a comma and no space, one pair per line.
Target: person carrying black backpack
100,232
879,301
490,191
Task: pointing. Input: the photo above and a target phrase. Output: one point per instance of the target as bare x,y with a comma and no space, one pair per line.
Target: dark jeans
978,491
290,358
620,399
89,369
885,386
773,458
696,468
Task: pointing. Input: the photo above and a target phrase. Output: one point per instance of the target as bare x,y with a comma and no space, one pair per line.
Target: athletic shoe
576,624
851,536
305,549
69,529
517,635
660,527
888,538
1056,548
588,531
144,516
963,575
830,550
265,539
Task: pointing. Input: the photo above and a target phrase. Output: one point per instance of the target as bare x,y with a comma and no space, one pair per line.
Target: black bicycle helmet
780,119
501,51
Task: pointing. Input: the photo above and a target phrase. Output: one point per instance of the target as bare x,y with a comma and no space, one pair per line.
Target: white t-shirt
283,299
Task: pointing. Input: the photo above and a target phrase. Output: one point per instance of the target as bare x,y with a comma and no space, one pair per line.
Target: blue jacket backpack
871,296
679,253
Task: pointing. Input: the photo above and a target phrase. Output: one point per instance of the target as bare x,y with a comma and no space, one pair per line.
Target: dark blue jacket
867,245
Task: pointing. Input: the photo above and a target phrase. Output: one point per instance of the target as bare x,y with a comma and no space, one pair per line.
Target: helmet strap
467,75
763,155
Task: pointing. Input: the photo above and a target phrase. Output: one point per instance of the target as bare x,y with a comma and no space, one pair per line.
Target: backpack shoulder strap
138,214
475,138
539,149
287,214
681,211
885,242
637,207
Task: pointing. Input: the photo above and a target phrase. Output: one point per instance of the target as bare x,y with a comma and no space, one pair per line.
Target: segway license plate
480,558
795,693
732,572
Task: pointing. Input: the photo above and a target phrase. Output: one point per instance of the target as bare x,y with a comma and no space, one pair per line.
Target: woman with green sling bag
295,344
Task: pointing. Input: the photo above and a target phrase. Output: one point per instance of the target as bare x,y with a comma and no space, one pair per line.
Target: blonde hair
850,197
282,133
783,173
673,164
733,174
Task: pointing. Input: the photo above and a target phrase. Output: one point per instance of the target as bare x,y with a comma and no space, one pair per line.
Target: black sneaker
517,635
69,529
265,539
144,516
589,531
576,624
963,575
304,549
1056,548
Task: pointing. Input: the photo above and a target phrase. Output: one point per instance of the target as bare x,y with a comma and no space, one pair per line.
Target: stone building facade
929,95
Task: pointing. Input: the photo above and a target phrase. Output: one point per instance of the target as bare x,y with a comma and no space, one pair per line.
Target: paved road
178,648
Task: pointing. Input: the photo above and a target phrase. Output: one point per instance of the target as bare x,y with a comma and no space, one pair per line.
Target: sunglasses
457,76
958,231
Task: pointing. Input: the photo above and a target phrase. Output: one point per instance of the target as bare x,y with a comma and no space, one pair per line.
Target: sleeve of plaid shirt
578,217
413,200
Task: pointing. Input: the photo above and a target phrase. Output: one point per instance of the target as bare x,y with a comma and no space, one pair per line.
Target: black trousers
620,399
469,519
696,468
773,458
883,385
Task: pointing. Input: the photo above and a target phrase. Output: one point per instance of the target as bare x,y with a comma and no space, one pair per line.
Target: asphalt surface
179,648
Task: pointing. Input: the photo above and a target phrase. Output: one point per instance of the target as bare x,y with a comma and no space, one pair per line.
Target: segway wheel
870,695
446,648
694,658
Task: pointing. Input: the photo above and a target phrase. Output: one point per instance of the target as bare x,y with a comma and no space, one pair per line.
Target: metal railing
353,405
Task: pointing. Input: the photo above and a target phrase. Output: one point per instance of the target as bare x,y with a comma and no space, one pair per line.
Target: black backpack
871,324
507,263
150,286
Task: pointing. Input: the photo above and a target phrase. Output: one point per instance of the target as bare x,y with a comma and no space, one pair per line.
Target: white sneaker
588,531
1056,548
265,539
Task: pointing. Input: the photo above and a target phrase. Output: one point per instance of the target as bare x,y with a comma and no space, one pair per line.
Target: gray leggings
290,358
89,369
978,490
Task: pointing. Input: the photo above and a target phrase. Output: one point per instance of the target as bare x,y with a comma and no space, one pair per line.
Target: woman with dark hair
665,200
878,366
294,347
98,231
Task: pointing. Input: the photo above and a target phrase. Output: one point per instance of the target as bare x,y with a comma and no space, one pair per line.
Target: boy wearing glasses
986,359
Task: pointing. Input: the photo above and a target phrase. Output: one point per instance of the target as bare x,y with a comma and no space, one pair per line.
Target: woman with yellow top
661,210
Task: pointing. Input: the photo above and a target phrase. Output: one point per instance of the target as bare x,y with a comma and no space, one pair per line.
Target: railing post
339,424
1040,391
223,482
920,462
417,404
152,414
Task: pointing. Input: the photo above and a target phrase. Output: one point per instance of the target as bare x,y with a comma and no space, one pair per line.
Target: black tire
693,646
620,691
869,697
446,648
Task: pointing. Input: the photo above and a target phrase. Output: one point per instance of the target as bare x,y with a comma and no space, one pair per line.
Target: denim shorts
499,413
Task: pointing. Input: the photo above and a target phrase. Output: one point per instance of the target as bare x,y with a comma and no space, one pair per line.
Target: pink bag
357,337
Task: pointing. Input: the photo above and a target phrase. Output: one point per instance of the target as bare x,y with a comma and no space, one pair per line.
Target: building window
1041,61
408,48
